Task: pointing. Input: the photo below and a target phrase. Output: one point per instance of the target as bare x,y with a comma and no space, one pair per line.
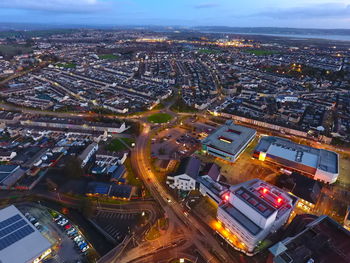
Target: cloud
330,10
206,5
63,6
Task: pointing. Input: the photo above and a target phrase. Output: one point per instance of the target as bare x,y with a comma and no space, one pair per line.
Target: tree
73,168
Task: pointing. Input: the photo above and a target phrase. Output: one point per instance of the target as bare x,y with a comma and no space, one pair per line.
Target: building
88,153
118,173
111,190
186,175
20,241
311,239
306,189
212,189
228,141
253,210
6,156
212,170
10,174
322,165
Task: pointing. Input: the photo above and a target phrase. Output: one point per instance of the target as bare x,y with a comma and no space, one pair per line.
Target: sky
234,13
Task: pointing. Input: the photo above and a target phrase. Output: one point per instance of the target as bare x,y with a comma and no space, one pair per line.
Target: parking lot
68,243
116,225
174,143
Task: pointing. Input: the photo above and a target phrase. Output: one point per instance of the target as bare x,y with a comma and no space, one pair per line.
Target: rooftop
316,158
19,240
189,166
229,138
242,219
323,240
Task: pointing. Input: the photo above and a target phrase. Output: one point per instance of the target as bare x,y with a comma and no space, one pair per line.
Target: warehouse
322,165
20,241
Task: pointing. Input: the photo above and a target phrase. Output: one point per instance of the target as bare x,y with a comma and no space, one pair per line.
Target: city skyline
251,13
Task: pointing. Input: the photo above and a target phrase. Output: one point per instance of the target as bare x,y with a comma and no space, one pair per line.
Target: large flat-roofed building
322,165
228,141
20,241
310,239
253,210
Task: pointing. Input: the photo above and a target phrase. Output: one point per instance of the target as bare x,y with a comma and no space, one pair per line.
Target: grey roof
212,170
316,158
229,138
28,243
189,166
244,221
278,249
258,204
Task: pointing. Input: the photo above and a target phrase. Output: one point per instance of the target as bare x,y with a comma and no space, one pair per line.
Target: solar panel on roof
9,221
13,229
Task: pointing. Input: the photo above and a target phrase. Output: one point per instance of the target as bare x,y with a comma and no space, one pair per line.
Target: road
193,231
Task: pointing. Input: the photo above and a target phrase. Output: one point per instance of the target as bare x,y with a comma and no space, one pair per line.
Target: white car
85,248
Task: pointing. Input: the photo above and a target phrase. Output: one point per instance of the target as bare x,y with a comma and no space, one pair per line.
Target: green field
209,51
130,176
108,56
116,145
260,52
160,118
66,65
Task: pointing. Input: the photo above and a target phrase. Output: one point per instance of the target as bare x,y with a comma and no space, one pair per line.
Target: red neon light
279,200
264,190
226,197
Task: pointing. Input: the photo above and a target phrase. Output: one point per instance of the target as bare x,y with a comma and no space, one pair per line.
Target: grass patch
108,56
66,65
153,233
261,52
160,118
131,177
116,145
128,141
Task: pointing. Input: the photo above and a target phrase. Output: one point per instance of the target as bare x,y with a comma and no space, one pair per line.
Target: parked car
85,248
79,237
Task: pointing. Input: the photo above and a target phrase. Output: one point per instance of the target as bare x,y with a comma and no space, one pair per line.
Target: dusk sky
240,13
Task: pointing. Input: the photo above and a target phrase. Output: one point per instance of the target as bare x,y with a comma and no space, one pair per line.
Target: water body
291,36
301,37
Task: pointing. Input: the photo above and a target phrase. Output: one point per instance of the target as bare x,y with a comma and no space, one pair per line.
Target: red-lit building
253,210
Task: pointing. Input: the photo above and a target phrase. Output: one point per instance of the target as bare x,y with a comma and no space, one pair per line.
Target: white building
20,241
88,153
7,156
322,165
186,175
253,210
